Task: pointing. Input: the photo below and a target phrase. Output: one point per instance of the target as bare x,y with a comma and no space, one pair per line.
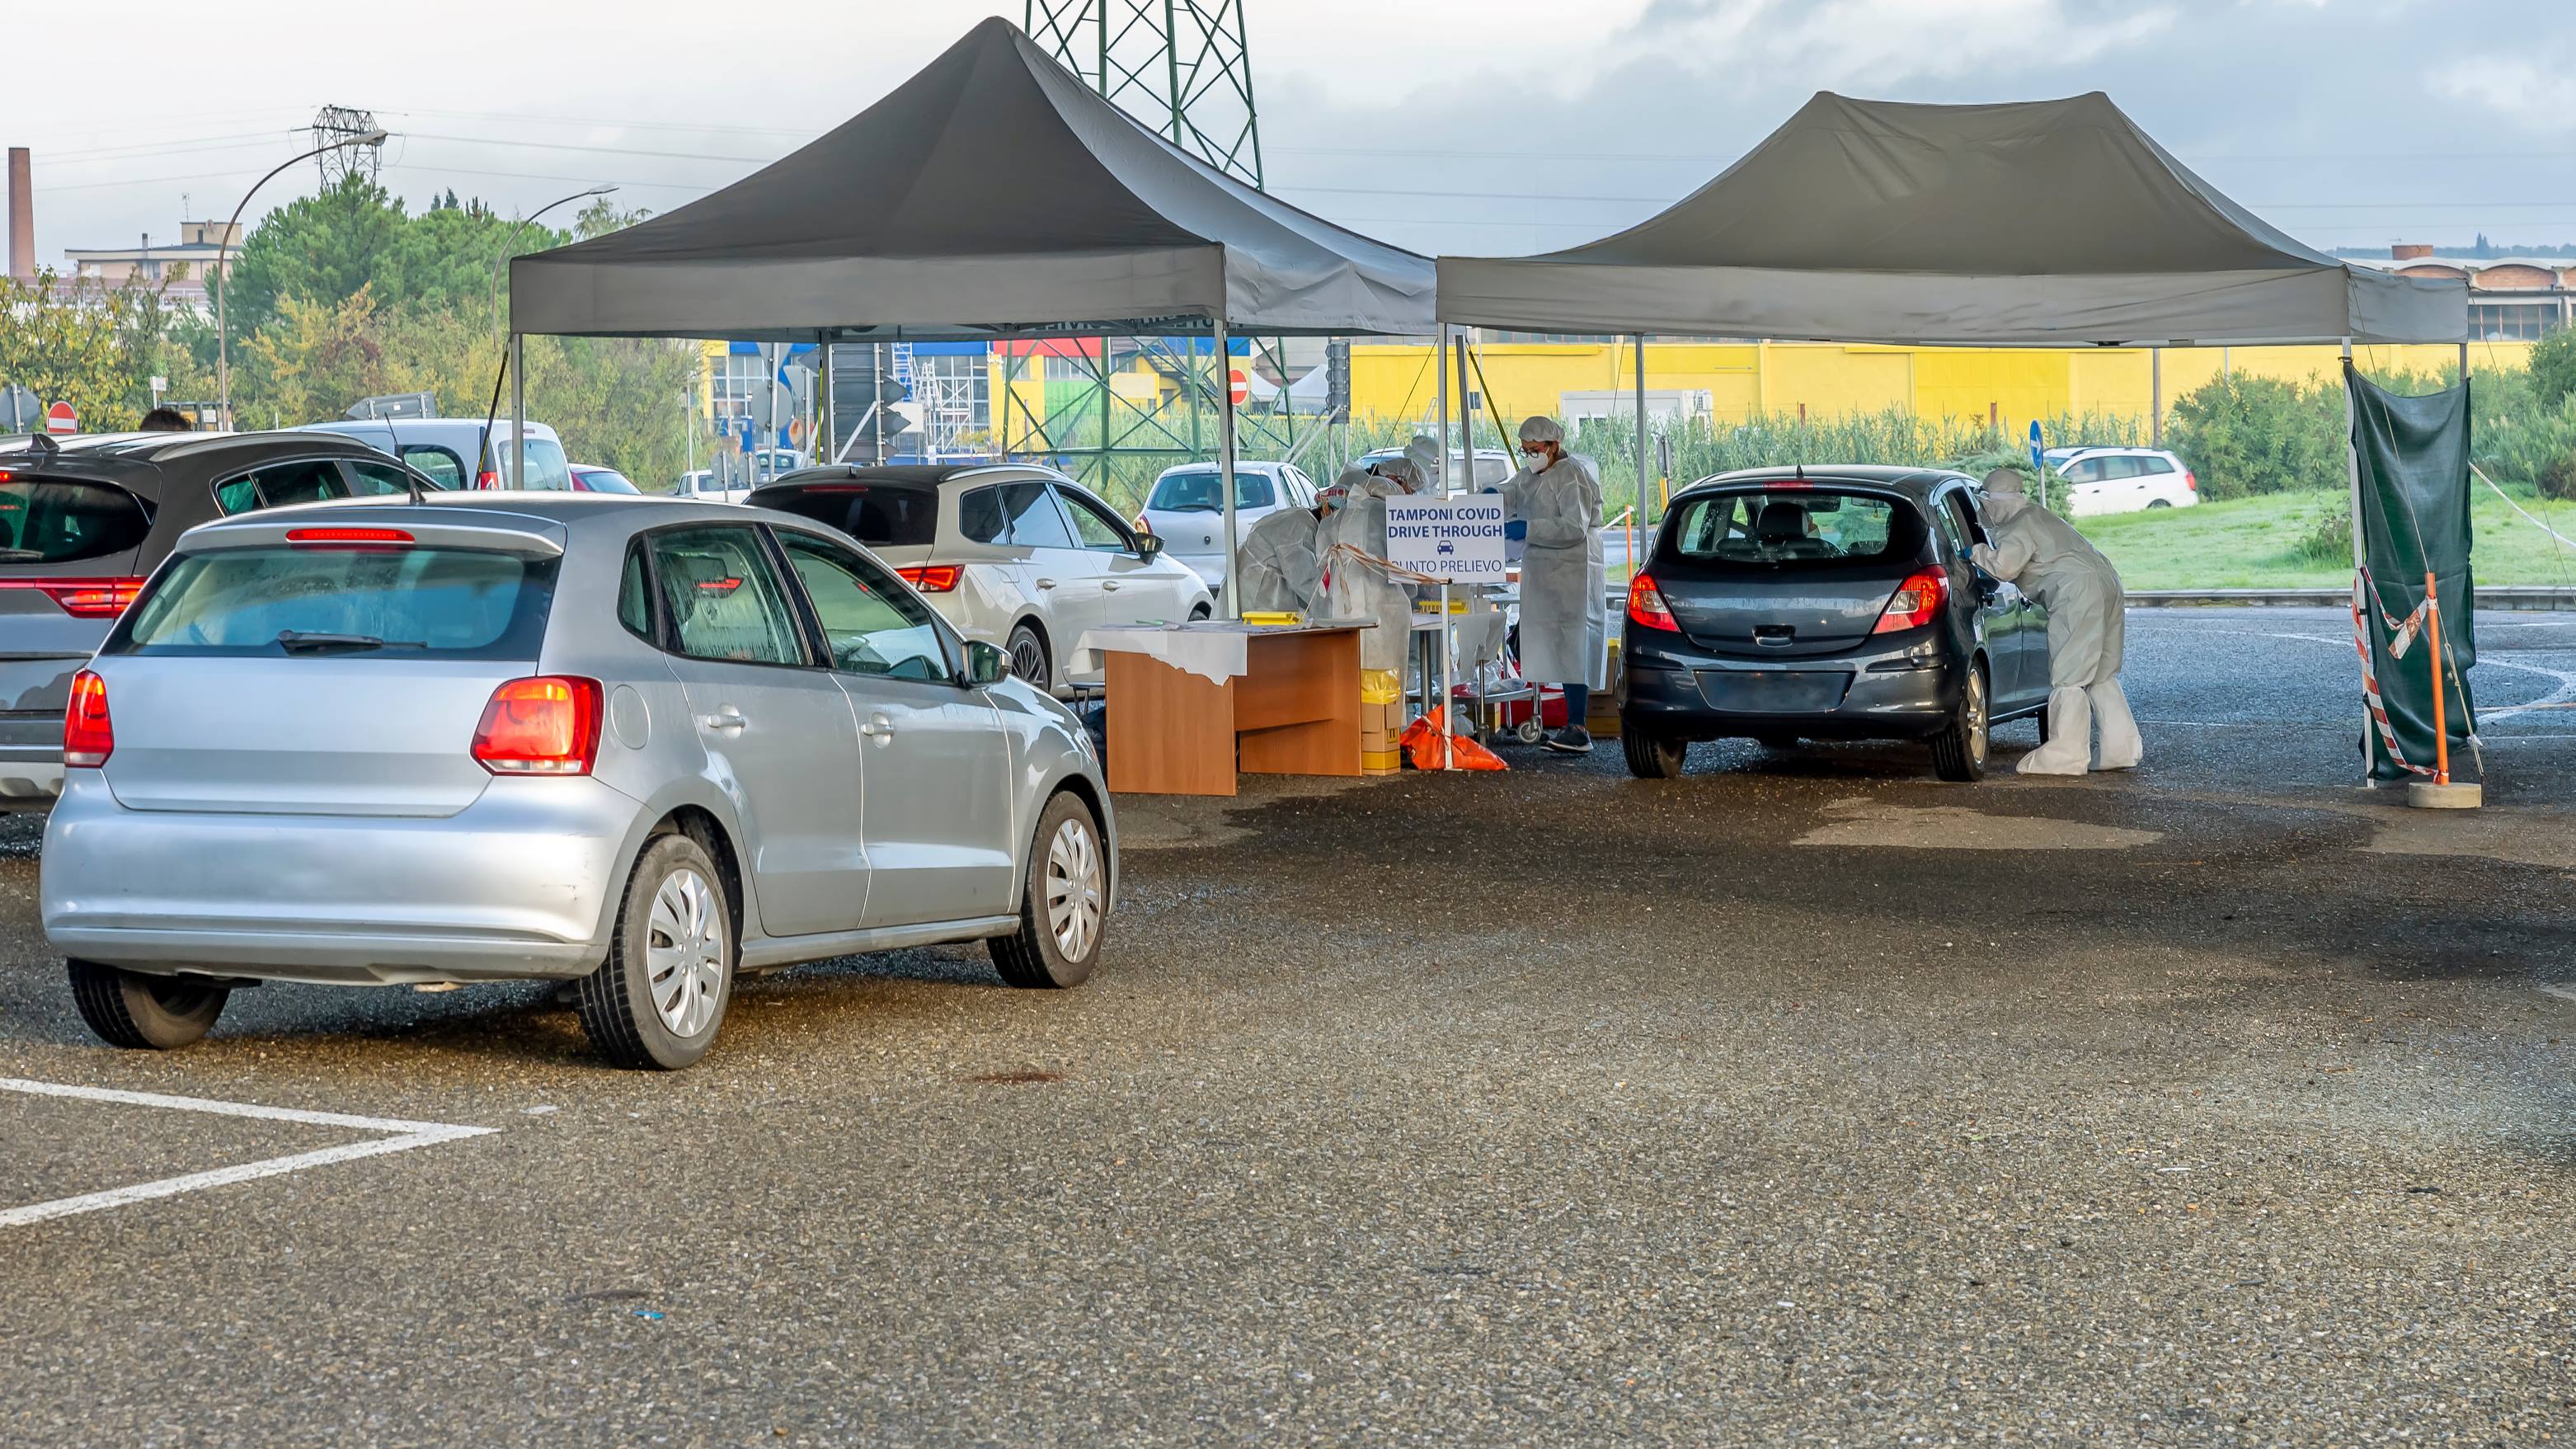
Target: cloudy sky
1432,123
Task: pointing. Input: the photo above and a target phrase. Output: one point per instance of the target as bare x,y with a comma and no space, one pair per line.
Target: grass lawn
2252,543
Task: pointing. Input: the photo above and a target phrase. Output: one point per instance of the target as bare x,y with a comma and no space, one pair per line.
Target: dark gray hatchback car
84,520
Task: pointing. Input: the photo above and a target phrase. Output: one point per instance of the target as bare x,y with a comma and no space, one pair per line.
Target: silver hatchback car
632,743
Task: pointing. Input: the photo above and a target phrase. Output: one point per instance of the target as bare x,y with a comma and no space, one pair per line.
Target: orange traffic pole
2441,727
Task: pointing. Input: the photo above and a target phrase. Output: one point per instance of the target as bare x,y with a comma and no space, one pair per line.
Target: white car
451,451
704,486
1011,554
2123,480
1186,509
1494,467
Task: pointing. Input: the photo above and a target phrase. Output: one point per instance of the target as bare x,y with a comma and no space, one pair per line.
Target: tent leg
1229,603
827,443
518,411
1637,519
1440,367
2360,555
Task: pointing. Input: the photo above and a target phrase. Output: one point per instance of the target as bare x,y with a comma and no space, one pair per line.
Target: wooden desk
1294,711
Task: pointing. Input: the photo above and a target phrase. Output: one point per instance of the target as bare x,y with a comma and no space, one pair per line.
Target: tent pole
1231,604
2360,557
2156,390
1637,518
827,445
518,411
1440,369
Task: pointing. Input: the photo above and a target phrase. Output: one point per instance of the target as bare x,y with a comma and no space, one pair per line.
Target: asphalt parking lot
1801,1100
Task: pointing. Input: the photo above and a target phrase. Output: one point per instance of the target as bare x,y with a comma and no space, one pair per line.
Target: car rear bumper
1905,689
515,886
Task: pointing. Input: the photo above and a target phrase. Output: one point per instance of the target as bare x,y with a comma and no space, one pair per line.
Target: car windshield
602,481
1197,491
435,603
44,522
880,515
1793,527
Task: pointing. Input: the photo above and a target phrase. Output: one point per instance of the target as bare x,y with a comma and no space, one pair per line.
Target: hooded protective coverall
1353,590
1565,615
1278,563
2052,563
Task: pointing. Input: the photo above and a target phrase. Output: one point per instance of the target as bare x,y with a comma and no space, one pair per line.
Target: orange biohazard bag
1422,740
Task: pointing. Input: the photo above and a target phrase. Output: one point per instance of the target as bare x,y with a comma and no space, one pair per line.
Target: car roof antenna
43,443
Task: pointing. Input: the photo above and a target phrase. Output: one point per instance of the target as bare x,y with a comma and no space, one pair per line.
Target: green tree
2245,435
60,341
2553,367
322,248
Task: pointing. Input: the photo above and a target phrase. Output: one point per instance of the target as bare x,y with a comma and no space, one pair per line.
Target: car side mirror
1148,544
986,664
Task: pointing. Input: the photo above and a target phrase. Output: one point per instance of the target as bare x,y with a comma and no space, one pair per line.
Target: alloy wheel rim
1977,716
1073,898
1028,661
684,952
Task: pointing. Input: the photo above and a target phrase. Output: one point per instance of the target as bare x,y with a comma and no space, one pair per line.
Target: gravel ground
1802,1100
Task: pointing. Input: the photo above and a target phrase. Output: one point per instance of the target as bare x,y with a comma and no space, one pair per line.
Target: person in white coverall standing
1565,614
2043,554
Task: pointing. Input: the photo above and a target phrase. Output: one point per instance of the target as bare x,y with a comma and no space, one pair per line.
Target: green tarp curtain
2412,458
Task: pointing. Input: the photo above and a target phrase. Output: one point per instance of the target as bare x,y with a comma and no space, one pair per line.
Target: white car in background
1186,509
452,453
703,486
2122,480
1011,554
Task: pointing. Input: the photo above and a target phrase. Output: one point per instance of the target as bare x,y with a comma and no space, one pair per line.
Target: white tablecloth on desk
1212,653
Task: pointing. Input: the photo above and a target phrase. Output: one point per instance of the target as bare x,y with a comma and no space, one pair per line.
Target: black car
84,520
1826,603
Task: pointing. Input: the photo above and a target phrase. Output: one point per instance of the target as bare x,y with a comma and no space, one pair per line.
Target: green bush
2553,367
2246,435
2328,540
2537,446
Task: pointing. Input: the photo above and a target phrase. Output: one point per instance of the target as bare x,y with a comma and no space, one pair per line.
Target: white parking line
402,1137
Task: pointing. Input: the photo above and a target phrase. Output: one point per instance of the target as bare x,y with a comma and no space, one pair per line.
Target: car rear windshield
880,515
44,521
411,603
1197,491
1795,528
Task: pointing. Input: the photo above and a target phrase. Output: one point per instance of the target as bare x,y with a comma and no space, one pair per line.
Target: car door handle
1046,583
1109,586
727,720
878,728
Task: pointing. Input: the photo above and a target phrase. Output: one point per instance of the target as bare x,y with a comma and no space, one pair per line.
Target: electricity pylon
1183,67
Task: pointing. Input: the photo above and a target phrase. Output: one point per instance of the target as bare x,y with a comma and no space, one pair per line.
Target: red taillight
364,540
1915,602
548,725
2191,480
932,578
83,598
88,738
1646,604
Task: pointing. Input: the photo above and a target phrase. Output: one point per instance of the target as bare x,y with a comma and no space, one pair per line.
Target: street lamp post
223,285
517,355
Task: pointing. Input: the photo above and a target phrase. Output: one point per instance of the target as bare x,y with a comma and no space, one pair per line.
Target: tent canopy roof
2032,223
991,194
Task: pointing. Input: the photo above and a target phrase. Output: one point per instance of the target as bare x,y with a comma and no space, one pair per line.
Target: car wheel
1652,757
1959,753
1029,661
1066,904
2160,503
1199,612
144,1013
657,1000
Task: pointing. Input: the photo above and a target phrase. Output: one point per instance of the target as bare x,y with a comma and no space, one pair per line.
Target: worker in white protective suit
2039,551
1565,618
1280,574
1353,588
1424,453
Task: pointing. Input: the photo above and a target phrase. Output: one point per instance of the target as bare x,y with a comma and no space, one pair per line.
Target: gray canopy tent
2036,224
992,195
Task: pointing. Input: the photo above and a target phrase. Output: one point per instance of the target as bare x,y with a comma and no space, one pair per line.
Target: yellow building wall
1395,381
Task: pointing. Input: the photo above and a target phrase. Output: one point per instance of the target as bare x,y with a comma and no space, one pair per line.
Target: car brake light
1915,602
932,578
103,598
547,725
88,737
363,539
1646,604
2191,480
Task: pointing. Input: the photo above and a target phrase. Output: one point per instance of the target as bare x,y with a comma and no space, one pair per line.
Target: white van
451,451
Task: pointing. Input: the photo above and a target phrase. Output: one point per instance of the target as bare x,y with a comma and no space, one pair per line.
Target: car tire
1959,751
658,1000
1064,908
1201,612
1651,756
1031,662
144,1013
2160,503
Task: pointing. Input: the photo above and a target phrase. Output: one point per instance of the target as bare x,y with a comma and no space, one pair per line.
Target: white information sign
1457,539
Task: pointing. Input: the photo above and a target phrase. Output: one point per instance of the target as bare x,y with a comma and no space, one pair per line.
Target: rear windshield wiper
22,555
298,641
